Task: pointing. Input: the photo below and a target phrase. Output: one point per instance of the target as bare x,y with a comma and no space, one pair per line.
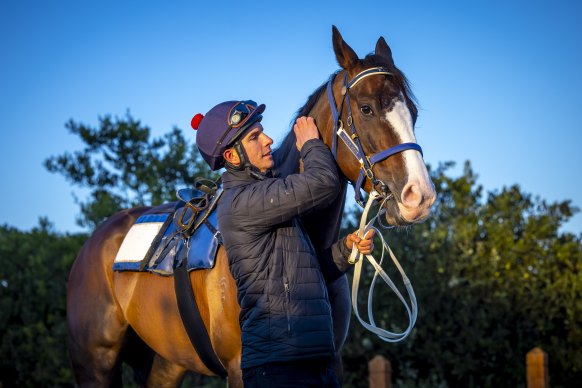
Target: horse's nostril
412,196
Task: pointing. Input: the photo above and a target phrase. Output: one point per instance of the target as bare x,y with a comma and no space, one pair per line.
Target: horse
132,317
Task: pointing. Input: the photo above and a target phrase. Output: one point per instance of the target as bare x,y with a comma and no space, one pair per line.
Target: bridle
353,141
366,165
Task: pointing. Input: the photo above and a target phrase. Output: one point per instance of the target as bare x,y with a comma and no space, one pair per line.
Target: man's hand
305,129
365,245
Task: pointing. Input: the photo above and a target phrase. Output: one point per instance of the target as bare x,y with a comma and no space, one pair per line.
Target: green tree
33,270
122,167
494,277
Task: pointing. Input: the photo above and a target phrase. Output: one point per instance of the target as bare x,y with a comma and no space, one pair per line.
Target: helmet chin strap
245,164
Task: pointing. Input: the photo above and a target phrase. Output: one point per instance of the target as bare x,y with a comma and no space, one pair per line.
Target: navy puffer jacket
285,311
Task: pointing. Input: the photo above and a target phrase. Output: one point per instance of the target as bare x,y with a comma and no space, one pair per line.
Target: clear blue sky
499,82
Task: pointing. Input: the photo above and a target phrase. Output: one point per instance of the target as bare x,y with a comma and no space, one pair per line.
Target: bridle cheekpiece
352,141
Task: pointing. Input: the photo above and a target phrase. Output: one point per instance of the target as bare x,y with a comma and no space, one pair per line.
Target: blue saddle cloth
172,246
199,250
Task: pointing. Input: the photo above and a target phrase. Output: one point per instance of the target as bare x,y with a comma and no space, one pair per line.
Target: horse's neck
322,225
286,157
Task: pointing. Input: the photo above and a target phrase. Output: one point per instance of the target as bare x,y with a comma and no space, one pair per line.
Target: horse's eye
366,110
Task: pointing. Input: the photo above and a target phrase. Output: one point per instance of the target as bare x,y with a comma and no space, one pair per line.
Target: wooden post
537,369
379,373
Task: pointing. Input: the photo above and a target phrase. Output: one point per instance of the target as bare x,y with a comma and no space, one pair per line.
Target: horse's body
133,317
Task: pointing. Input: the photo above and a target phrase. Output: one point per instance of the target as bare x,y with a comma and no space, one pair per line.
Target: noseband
353,141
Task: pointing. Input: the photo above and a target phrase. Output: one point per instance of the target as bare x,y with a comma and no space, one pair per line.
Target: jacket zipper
288,300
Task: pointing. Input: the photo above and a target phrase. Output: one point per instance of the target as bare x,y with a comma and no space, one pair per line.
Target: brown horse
131,317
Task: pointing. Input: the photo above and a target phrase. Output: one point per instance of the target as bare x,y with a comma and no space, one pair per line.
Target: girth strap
193,322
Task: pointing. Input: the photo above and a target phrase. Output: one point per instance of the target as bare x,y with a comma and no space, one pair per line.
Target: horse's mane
286,156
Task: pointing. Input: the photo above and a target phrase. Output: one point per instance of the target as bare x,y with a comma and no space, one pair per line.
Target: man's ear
231,156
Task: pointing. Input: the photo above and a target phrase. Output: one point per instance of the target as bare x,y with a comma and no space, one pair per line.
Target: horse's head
377,110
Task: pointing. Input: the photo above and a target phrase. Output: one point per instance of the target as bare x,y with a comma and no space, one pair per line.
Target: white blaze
400,119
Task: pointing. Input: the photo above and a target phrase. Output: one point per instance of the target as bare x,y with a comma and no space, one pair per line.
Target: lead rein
355,257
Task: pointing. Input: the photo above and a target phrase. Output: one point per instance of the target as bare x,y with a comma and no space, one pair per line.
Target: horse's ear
383,51
345,55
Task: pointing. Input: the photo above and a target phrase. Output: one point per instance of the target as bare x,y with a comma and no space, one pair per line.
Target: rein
355,256
366,165
353,141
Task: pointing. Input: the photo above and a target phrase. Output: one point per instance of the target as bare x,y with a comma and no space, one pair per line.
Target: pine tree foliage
123,167
34,267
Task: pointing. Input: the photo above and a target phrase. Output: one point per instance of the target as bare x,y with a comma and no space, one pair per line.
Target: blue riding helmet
222,126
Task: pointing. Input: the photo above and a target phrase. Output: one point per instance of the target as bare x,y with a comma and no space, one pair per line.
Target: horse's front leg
223,310
235,375
339,297
165,373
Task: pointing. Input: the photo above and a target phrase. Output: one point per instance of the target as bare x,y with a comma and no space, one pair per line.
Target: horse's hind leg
94,349
95,323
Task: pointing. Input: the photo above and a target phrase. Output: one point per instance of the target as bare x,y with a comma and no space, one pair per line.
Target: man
286,323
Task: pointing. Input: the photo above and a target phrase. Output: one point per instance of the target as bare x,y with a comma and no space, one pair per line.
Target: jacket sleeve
278,200
334,260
